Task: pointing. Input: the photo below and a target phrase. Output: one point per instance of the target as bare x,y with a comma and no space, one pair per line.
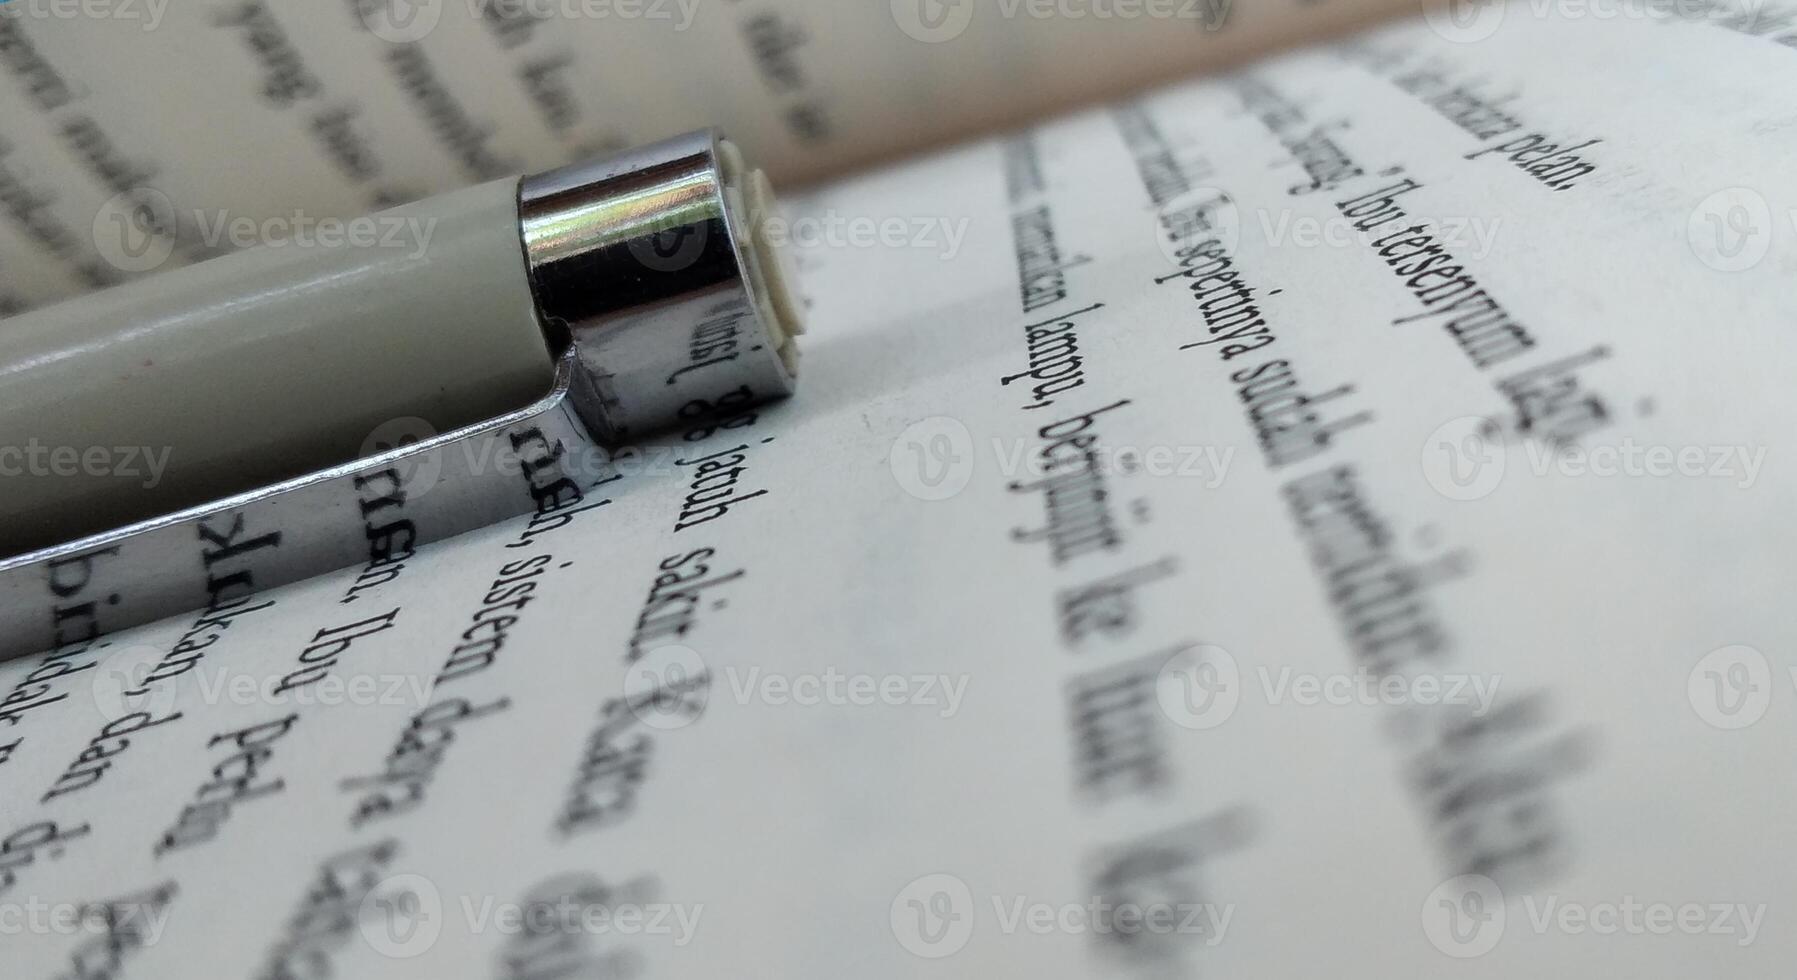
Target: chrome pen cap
658,266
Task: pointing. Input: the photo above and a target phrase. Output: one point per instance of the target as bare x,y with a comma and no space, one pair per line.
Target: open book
1331,518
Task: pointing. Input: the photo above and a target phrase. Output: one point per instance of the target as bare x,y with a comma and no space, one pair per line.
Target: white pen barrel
263,365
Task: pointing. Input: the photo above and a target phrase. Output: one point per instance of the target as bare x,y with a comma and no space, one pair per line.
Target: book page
1329,520
144,134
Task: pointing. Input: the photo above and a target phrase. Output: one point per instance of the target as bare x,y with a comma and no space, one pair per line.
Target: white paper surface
910,704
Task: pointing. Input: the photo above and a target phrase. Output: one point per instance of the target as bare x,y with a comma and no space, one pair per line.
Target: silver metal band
539,459
649,265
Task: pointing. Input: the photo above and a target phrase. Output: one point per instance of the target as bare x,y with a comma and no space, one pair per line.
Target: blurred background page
144,134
